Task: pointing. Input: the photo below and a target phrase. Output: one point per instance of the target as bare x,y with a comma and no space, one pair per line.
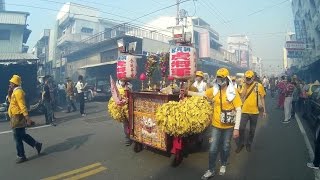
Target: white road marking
308,144
306,139
38,127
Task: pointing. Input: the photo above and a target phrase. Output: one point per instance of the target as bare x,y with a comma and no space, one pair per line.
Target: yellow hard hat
199,73
16,80
249,74
223,72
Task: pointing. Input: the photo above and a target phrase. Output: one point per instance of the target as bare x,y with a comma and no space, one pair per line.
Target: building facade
203,37
307,28
241,46
41,50
75,23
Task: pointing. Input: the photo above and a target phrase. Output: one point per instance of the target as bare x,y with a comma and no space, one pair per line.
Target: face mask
221,81
249,80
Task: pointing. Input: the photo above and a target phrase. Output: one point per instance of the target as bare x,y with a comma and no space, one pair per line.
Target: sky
264,22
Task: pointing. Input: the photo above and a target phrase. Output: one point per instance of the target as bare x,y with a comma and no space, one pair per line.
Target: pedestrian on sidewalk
19,119
80,89
250,93
225,122
288,101
70,96
47,101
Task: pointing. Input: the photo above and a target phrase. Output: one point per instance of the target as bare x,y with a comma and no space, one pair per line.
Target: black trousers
81,101
316,160
245,118
20,135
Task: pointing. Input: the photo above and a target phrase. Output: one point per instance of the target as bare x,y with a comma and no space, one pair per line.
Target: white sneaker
311,165
208,174
222,170
83,115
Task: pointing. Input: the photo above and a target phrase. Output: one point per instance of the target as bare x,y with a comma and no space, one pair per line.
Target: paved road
93,148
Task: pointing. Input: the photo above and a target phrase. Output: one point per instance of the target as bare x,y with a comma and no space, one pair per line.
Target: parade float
159,115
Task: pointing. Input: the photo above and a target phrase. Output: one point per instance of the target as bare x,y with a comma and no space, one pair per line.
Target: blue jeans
20,135
48,111
219,137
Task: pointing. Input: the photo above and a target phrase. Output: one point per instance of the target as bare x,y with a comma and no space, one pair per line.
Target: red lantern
143,77
183,62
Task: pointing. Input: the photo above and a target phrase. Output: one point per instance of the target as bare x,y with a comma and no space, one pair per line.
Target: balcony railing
70,38
119,31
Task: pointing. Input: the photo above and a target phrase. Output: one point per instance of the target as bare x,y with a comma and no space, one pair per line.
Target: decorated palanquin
142,112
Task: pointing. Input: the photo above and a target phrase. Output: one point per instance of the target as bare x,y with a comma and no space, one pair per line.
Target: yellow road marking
76,171
87,174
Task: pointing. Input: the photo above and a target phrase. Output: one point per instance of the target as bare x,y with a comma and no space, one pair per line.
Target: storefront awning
97,65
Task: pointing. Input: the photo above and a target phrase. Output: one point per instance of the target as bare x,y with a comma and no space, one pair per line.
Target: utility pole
178,19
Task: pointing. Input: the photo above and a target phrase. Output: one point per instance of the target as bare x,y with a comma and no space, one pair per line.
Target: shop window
5,34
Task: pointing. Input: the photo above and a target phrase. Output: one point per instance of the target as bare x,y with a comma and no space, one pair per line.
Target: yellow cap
199,73
233,78
223,72
249,74
16,80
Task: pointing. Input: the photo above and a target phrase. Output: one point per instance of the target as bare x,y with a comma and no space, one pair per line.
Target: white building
75,23
14,36
204,38
41,50
307,28
241,46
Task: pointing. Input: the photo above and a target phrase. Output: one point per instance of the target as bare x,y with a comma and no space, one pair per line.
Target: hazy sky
264,21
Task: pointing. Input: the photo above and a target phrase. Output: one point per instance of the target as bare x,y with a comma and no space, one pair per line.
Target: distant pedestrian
19,119
62,93
70,96
80,89
282,89
295,99
289,88
47,101
272,83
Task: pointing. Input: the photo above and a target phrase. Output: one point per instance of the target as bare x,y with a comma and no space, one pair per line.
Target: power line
86,7
116,20
258,11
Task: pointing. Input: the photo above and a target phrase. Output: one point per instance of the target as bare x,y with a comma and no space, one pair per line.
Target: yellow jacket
17,103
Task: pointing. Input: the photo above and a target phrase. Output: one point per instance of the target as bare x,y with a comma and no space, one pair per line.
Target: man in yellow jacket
251,92
19,119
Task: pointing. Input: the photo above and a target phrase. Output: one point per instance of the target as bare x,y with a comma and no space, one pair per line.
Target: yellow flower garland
189,116
118,113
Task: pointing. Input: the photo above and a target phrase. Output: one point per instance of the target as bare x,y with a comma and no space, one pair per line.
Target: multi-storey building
75,23
14,58
41,50
306,15
241,46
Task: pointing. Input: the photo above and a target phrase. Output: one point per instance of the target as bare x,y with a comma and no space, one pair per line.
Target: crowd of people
51,96
235,105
